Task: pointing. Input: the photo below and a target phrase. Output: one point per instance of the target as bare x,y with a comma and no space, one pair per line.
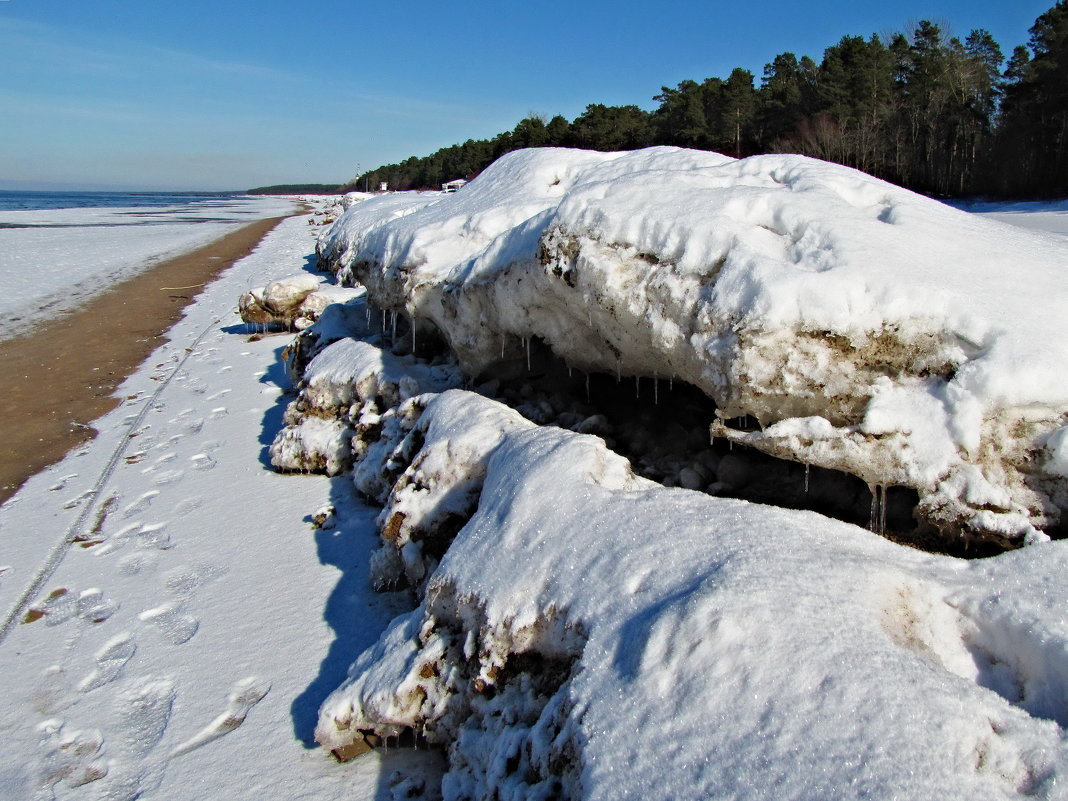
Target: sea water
30,200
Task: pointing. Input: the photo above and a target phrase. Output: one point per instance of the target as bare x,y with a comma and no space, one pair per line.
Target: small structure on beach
452,186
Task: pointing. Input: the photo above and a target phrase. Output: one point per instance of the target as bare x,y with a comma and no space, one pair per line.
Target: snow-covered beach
51,260
178,613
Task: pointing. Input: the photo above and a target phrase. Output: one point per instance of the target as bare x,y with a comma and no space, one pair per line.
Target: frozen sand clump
866,328
294,302
590,634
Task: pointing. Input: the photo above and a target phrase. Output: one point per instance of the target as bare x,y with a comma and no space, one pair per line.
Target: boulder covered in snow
294,302
866,328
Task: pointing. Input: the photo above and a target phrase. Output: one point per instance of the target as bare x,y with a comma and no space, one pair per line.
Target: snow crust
866,328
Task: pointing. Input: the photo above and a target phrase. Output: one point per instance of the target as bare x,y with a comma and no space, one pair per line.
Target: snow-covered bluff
868,329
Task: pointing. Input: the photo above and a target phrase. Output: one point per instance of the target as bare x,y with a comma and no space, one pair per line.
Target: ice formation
343,385
591,634
294,302
583,632
867,329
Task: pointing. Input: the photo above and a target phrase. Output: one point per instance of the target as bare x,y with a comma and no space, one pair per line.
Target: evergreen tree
612,128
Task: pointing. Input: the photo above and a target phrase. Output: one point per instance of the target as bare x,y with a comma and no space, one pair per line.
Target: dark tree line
935,114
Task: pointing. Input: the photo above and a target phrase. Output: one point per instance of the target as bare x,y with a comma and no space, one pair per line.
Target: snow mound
866,328
590,634
345,386
295,302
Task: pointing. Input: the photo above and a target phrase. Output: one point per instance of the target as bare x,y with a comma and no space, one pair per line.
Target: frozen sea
59,249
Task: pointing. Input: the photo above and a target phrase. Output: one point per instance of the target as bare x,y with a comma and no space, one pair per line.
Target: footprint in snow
57,607
219,411
215,396
193,426
69,756
135,564
139,504
144,713
244,695
187,505
62,483
168,477
78,500
61,605
94,607
201,461
110,660
154,536
175,627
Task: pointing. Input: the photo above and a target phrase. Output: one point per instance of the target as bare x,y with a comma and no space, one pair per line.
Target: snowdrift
867,329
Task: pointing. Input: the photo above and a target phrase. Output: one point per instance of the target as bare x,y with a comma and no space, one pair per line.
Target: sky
222,96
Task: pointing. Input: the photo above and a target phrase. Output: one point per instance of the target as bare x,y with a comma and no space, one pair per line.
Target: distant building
383,187
452,186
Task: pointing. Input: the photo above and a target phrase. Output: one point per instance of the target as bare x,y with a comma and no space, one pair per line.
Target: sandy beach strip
62,375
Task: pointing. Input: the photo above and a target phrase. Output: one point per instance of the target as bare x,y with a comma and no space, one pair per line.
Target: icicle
503,340
656,390
367,314
383,329
569,371
873,516
617,371
413,336
882,509
637,387
393,323
587,387
807,466
526,344
671,383
589,316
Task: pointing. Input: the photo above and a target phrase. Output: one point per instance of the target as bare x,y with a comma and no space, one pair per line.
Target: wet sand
61,376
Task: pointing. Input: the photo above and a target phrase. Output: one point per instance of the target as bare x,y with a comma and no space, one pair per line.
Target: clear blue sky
203,94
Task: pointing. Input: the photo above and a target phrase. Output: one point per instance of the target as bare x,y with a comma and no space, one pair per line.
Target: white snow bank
346,385
295,301
929,343
589,634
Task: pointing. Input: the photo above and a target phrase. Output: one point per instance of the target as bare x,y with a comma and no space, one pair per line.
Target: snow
781,286
51,261
710,647
295,301
193,618
210,585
